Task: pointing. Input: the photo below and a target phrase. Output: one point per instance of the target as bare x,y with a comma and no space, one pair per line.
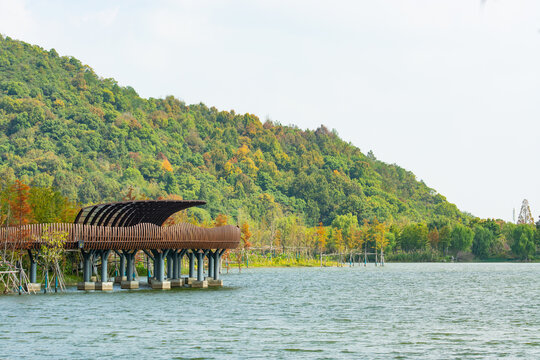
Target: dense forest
79,139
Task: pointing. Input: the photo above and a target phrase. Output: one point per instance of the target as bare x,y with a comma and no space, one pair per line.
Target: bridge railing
141,236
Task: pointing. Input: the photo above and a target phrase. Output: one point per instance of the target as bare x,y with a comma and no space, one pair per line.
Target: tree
433,237
483,238
221,220
51,253
321,239
338,240
537,233
461,238
20,208
523,241
246,235
380,237
363,237
445,238
348,224
277,239
414,237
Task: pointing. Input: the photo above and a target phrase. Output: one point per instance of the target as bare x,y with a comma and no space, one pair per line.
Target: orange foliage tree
246,235
321,238
221,220
21,211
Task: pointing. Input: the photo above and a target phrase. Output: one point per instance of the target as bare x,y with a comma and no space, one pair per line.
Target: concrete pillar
87,266
130,283
217,263
129,266
191,264
122,268
200,265
200,282
86,284
176,280
104,284
104,265
33,285
215,281
170,265
210,264
155,266
159,266
122,264
160,259
175,271
33,268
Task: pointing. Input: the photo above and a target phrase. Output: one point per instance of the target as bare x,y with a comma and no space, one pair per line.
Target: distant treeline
478,238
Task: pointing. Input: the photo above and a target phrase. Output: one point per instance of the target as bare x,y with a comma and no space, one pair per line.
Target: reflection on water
399,311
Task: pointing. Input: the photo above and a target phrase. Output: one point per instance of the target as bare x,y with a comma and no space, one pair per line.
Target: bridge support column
130,283
88,259
176,280
155,265
170,260
33,286
104,284
210,264
200,282
122,271
217,265
159,265
191,275
175,272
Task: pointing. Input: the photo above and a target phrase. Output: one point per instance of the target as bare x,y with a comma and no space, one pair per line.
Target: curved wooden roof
130,213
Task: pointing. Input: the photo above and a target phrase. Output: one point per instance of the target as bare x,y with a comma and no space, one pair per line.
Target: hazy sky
448,89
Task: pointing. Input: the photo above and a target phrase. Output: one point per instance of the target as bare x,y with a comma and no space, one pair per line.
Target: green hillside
61,125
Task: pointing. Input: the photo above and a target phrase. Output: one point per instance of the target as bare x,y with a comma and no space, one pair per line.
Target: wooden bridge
126,228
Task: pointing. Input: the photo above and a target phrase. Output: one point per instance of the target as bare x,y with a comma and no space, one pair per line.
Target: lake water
404,311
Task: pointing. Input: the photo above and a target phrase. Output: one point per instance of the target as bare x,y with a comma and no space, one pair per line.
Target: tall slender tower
525,216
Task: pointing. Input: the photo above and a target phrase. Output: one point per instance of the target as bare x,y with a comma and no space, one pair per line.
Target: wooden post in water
20,277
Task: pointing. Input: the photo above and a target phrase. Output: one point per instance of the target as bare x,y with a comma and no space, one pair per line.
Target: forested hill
62,125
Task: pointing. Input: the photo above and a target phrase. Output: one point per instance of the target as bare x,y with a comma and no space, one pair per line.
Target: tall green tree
414,237
483,239
523,245
461,238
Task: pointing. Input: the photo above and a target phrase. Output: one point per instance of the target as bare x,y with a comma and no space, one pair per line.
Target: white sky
445,88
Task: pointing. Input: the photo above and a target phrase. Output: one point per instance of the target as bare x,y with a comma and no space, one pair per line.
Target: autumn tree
277,239
363,237
221,220
338,240
380,237
21,211
348,224
246,235
321,238
433,238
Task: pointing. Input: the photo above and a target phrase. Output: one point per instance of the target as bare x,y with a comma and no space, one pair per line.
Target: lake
403,311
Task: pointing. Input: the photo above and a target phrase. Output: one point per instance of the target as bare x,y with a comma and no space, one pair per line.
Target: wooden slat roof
131,213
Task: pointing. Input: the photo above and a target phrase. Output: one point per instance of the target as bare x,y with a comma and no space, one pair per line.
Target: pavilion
127,228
